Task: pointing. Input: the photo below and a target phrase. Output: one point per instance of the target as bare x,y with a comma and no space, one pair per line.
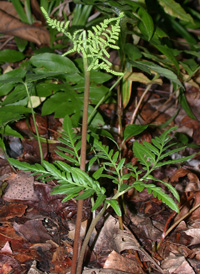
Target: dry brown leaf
6,248
33,231
177,265
21,188
11,25
117,261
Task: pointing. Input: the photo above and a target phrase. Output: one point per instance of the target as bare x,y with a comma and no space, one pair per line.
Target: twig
141,99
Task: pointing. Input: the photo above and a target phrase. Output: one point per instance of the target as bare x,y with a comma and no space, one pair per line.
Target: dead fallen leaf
117,261
33,269
61,260
11,25
177,265
11,210
21,188
6,248
33,231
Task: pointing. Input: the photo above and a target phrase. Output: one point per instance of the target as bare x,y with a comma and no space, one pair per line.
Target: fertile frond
92,44
55,24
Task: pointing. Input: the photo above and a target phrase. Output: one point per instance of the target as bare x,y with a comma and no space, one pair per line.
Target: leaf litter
36,233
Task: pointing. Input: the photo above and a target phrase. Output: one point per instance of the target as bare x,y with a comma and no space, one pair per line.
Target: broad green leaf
20,10
96,92
146,22
168,52
53,62
12,77
62,103
133,130
185,105
181,30
45,89
100,199
16,95
10,56
5,88
174,9
114,204
132,51
40,75
160,70
10,132
127,86
99,77
12,113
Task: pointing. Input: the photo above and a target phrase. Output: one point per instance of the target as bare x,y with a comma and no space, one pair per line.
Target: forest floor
37,229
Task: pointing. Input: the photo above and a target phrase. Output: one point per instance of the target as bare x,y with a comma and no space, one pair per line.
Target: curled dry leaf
177,264
11,25
117,261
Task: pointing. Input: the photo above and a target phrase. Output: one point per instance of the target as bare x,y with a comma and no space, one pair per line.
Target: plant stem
34,122
105,97
82,166
142,97
87,238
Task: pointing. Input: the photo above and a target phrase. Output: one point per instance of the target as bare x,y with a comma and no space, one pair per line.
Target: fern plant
71,180
92,44
72,174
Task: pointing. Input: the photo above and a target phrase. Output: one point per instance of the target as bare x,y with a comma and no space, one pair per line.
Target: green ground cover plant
75,178
60,84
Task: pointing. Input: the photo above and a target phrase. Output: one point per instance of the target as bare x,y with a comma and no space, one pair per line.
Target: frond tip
92,44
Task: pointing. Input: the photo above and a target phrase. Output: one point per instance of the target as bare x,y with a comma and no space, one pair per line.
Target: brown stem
141,99
87,238
178,222
82,166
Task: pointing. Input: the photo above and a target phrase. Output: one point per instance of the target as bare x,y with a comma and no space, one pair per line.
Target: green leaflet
145,156
174,9
114,204
157,193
